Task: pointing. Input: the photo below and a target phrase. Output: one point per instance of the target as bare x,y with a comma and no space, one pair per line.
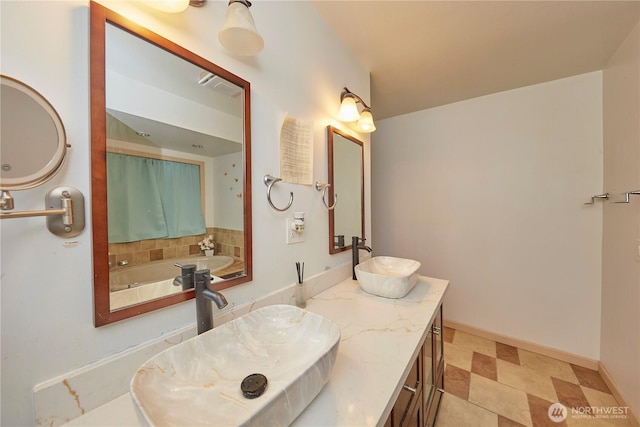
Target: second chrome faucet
357,244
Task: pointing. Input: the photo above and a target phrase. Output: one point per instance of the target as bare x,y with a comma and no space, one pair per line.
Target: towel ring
269,180
320,186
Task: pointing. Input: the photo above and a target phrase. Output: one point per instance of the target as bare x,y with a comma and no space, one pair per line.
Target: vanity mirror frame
99,18
332,221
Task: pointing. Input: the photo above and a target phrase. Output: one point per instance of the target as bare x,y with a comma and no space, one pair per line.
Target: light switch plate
292,235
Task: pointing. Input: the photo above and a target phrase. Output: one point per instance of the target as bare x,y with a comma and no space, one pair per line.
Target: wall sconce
239,34
173,6
349,111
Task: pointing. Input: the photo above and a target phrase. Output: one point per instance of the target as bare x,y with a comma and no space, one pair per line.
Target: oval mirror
171,169
28,120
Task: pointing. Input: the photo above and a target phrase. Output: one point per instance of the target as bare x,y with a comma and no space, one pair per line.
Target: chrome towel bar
599,197
627,194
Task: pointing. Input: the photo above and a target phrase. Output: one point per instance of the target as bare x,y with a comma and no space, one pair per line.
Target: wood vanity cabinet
419,400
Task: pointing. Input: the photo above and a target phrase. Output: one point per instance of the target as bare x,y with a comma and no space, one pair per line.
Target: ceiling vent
218,84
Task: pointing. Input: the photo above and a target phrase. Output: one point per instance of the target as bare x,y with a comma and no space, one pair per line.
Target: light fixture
170,6
349,111
239,34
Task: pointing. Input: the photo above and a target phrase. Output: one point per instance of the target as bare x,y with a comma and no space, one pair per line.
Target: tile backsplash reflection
227,242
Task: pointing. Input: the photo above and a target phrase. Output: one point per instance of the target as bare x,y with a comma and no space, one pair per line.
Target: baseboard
634,417
526,345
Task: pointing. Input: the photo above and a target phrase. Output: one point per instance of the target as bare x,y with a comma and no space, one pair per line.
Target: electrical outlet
292,235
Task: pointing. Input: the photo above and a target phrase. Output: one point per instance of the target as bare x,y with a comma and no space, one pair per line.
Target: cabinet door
432,412
438,347
427,368
415,416
407,410
433,405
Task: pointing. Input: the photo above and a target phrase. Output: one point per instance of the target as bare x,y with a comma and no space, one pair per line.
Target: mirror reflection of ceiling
198,129
422,54
121,126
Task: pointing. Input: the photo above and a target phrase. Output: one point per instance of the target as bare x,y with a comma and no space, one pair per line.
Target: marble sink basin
387,276
197,382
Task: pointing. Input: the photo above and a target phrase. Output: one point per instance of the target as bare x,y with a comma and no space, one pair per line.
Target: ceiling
423,54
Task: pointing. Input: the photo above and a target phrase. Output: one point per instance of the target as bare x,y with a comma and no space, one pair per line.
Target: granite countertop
379,340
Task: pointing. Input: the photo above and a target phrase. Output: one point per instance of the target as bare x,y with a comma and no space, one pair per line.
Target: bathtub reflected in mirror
144,282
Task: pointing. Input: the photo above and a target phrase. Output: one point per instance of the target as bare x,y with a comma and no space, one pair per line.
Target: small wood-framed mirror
346,176
170,167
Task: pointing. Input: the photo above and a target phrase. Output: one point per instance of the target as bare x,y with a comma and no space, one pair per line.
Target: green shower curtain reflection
152,199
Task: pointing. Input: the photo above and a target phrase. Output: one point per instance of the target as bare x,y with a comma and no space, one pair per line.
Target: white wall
620,345
46,291
489,194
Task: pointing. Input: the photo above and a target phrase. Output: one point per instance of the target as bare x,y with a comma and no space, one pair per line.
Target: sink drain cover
253,386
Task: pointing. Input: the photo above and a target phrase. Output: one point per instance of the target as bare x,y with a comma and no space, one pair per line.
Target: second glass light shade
365,123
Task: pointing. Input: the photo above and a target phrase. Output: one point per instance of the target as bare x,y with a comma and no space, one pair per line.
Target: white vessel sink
387,277
197,382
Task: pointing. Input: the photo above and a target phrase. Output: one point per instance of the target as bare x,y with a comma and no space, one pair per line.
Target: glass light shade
239,34
348,110
170,6
365,124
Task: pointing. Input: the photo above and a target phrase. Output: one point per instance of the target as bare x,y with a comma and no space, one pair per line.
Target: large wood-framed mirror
170,166
346,176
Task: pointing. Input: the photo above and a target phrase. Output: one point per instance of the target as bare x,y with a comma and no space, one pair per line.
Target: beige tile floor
490,384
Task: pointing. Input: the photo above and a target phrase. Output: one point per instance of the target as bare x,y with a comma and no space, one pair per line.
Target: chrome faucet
187,276
356,244
204,296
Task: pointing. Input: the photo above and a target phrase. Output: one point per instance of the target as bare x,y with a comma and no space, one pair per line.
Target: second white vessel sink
387,276
198,382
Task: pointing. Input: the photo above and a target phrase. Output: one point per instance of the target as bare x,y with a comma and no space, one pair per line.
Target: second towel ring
269,180
320,186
